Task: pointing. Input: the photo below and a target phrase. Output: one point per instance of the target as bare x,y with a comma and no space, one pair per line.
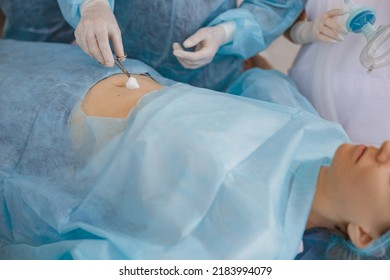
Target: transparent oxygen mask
376,53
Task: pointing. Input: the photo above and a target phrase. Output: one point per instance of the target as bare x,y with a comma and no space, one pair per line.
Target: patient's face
361,184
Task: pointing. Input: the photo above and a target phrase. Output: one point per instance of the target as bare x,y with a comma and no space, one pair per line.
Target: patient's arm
110,97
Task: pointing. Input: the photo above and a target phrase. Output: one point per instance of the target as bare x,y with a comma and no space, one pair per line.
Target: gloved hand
96,27
207,41
325,28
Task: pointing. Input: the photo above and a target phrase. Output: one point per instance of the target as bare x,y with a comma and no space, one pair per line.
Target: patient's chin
112,99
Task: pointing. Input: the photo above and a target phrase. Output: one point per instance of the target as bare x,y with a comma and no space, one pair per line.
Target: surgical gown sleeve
71,10
258,23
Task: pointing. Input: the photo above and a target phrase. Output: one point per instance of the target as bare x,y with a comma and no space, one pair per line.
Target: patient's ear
359,236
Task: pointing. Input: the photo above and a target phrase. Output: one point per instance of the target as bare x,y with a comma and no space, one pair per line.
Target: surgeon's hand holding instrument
376,53
206,41
96,27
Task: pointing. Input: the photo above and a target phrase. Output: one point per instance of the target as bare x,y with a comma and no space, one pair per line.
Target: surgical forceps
119,64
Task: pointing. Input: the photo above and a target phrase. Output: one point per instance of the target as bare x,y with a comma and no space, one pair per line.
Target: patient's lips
361,149
132,83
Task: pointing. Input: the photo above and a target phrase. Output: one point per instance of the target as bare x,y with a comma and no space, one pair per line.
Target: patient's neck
322,213
111,98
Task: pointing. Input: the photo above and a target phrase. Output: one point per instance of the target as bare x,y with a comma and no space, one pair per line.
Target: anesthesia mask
376,53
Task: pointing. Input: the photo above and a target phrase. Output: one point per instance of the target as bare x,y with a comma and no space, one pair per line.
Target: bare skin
111,98
353,194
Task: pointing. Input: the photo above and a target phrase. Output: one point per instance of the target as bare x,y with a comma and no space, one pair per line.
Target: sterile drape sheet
190,174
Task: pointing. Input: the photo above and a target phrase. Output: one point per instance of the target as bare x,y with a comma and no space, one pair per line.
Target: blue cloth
322,244
35,20
271,86
150,27
190,174
339,248
315,244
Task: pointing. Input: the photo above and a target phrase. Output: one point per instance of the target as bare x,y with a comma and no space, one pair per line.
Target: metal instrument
119,64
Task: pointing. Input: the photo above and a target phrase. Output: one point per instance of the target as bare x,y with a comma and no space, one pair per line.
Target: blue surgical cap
341,248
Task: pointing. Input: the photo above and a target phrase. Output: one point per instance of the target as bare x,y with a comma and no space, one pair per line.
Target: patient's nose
384,152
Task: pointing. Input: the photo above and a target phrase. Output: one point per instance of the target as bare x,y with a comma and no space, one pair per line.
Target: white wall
281,54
